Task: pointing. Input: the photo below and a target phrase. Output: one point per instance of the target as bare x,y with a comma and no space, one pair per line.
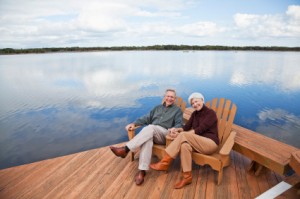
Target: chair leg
132,156
220,176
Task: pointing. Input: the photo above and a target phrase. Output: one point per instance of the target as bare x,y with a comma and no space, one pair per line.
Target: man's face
197,103
170,98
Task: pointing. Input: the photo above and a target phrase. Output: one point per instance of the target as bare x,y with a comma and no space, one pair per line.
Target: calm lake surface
61,103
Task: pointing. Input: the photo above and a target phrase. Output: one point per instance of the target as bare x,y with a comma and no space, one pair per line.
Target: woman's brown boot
187,179
163,165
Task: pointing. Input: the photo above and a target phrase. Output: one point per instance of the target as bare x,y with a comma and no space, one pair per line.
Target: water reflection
269,69
57,104
280,125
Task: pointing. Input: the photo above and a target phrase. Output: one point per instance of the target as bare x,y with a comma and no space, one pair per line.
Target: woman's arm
189,124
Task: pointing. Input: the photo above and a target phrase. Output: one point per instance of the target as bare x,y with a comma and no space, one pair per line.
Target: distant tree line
155,47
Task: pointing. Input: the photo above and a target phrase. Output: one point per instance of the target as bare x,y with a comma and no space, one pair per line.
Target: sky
107,23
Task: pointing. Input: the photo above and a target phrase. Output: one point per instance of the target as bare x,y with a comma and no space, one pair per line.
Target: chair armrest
226,148
131,133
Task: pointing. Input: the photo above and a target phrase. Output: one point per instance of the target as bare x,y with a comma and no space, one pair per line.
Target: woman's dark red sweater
205,123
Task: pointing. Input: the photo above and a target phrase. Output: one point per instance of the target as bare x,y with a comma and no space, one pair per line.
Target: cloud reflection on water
280,125
117,79
280,71
55,104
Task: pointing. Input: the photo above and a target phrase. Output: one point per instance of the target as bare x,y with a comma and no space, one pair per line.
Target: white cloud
102,17
200,29
251,25
294,12
54,23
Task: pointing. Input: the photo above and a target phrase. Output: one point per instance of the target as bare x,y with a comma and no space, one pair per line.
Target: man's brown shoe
119,151
139,177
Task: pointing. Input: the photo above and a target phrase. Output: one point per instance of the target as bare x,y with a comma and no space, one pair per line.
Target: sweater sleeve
188,125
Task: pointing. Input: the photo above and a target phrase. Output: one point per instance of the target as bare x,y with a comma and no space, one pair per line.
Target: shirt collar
164,104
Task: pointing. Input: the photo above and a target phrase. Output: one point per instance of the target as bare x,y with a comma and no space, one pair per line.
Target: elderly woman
199,134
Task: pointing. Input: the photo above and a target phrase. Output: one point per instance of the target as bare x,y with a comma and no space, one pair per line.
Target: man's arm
130,126
146,119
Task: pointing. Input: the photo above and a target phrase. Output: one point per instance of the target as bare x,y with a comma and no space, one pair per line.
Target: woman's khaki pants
187,142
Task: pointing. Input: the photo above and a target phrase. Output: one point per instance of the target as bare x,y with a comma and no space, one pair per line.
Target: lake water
61,103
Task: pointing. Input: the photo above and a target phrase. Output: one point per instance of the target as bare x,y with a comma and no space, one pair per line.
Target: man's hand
173,132
130,127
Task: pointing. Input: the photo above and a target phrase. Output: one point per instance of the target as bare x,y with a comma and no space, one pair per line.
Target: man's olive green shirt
166,117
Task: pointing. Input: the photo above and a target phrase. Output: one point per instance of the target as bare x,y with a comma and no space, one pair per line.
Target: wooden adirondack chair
158,150
221,158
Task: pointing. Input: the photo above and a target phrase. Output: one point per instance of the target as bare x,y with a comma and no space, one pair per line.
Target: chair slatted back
225,111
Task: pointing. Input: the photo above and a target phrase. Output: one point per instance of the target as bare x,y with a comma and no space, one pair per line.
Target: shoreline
186,48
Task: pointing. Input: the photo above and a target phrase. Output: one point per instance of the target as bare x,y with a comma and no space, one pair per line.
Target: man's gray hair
171,90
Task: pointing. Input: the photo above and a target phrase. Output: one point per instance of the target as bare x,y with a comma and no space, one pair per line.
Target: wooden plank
252,180
201,182
57,177
108,174
28,184
81,181
66,178
211,183
10,175
263,183
271,178
242,183
151,178
100,174
231,179
158,185
222,190
118,188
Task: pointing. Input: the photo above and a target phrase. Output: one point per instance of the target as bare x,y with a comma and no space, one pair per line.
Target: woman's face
197,103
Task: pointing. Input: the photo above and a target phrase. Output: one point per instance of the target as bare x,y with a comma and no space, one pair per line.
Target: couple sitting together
199,134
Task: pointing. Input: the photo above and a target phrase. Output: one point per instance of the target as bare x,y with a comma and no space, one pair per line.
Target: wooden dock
98,173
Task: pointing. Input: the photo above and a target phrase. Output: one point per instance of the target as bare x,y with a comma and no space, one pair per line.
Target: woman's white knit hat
195,95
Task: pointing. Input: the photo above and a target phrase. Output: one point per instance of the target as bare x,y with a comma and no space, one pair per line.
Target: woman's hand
173,134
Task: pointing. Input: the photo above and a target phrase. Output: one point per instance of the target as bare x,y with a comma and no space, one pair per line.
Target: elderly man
157,123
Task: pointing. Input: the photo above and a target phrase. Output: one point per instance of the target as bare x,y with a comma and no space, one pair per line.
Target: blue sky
92,23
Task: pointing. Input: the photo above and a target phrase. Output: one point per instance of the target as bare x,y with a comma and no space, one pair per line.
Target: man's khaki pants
144,140
187,142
